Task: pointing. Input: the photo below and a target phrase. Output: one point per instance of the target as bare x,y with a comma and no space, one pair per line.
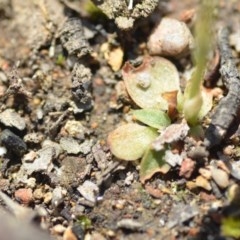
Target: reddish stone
24,195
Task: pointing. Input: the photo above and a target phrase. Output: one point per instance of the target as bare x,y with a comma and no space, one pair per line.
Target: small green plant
193,98
155,87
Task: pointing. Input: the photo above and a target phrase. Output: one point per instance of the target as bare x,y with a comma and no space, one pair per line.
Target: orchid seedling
193,96
154,86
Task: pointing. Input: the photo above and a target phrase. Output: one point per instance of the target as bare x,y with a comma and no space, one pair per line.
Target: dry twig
228,107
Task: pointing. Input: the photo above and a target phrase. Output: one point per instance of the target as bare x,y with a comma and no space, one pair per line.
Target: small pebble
30,156
34,138
31,182
13,143
38,194
170,38
68,235
75,129
3,151
47,197
57,196
129,224
205,173
78,231
89,191
191,185
220,177
96,236
58,229
70,145
10,118
233,194
187,167
24,195
203,183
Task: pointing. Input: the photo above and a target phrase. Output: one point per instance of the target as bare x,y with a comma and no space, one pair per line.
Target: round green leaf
147,82
153,162
129,141
152,117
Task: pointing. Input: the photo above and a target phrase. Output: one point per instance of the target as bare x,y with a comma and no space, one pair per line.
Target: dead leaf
152,162
172,133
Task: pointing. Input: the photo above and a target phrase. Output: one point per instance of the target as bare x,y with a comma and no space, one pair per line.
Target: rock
47,197
30,156
203,183
3,151
34,138
89,191
96,236
38,194
187,167
69,235
43,163
129,224
86,147
172,159
13,143
235,169
220,177
170,38
10,118
205,173
181,213
31,182
57,196
24,195
191,185
58,229
57,148
70,145
78,231
75,129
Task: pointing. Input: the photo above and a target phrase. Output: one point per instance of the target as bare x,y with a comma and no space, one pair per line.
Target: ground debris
130,224
125,15
89,191
13,143
73,39
81,87
181,213
228,107
172,133
12,119
43,163
70,145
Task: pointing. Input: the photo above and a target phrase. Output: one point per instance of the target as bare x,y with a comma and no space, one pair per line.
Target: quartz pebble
220,177
170,38
57,196
203,183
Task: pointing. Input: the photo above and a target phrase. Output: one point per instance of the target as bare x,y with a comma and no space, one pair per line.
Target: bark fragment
228,107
